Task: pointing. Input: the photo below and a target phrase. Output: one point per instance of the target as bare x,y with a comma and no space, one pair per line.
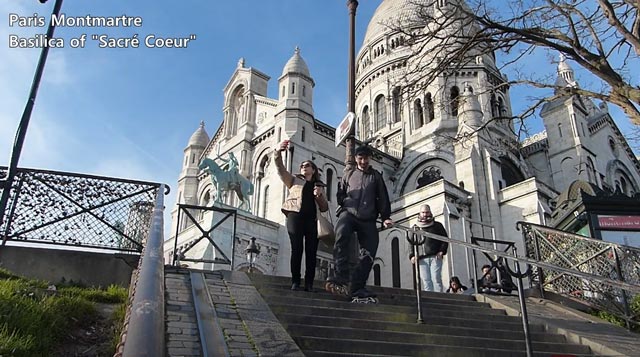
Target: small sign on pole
345,128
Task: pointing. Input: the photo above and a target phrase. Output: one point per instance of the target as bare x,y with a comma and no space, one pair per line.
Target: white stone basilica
485,176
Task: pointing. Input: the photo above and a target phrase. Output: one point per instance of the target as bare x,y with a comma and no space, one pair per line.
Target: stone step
499,332
345,318
427,307
313,346
285,282
385,298
347,333
375,314
323,324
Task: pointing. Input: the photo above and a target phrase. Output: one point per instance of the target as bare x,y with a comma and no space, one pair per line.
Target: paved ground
603,338
248,326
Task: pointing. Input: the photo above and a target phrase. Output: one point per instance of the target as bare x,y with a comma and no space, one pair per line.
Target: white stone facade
485,176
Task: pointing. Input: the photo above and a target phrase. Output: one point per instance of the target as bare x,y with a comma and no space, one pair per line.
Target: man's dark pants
367,234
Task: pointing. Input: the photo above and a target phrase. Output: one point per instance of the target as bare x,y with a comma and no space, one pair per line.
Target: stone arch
236,109
511,173
616,170
416,168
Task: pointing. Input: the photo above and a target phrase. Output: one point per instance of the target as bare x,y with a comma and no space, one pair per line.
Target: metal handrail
418,237
143,332
531,261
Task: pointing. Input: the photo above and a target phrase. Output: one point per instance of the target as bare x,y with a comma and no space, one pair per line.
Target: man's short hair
363,151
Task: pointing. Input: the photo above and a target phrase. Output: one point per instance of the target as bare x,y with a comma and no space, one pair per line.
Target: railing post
536,245
523,305
625,301
415,242
9,217
175,238
471,273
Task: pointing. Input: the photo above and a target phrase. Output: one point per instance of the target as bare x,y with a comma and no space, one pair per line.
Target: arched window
366,123
265,200
397,104
395,262
429,175
304,91
237,108
380,112
293,88
591,172
418,114
428,107
376,275
502,109
510,172
302,134
329,183
494,106
283,92
454,94
560,129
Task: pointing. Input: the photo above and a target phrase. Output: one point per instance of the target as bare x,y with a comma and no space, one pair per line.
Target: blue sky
130,112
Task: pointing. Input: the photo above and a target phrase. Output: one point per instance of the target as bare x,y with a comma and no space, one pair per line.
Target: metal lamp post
252,252
24,121
349,161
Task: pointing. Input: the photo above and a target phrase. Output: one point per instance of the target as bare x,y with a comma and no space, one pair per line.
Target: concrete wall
54,265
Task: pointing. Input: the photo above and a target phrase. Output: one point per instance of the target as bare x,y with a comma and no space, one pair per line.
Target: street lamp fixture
252,252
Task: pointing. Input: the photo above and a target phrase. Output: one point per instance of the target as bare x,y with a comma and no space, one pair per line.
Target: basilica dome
392,13
199,137
296,65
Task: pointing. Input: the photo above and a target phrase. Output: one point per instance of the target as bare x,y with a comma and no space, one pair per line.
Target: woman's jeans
431,273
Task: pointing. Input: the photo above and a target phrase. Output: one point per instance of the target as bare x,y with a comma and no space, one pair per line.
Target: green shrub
112,295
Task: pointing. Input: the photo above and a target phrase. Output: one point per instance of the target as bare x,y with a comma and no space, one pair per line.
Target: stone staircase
454,325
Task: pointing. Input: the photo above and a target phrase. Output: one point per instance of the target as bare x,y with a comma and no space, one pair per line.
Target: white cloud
17,69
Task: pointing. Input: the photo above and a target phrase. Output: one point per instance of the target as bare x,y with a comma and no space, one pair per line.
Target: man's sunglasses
306,164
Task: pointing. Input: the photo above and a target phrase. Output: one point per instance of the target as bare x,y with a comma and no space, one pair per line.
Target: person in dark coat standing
362,198
431,253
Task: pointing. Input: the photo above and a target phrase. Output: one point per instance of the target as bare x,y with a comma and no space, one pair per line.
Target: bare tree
602,37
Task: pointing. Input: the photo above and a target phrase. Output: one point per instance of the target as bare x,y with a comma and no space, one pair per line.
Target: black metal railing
143,331
79,210
417,237
609,273
187,216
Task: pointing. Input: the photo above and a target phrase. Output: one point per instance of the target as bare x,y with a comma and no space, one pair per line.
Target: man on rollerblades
362,197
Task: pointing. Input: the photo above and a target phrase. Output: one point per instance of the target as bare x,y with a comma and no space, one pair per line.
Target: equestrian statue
228,179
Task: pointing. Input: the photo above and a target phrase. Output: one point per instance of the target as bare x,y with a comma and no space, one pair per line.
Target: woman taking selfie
306,195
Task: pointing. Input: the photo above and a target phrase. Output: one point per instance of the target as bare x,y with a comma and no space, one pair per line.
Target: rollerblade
336,287
363,296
